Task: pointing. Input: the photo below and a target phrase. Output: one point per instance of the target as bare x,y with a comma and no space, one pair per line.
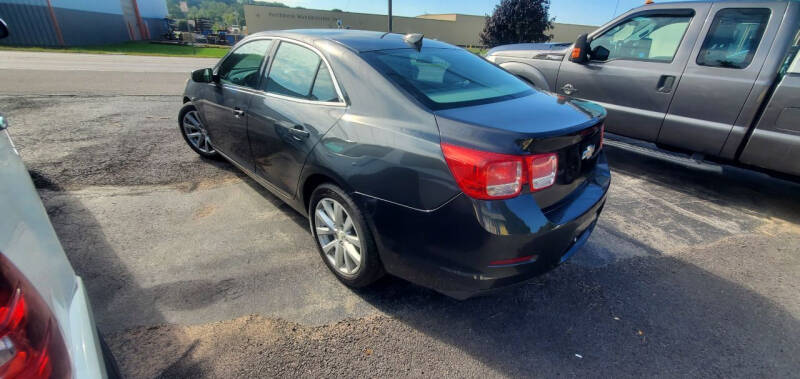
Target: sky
587,12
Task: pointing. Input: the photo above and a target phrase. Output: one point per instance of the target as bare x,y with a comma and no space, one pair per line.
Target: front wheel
343,239
194,132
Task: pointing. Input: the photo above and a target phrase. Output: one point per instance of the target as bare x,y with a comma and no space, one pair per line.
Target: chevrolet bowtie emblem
588,153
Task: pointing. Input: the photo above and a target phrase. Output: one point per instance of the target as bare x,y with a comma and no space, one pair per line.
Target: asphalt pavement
195,271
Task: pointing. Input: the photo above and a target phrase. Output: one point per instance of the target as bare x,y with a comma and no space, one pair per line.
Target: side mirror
580,51
204,75
600,53
3,29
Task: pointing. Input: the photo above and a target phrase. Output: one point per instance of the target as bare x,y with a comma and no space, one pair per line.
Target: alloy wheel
196,132
338,237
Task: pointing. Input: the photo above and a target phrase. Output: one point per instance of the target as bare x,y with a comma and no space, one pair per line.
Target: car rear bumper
454,249
81,337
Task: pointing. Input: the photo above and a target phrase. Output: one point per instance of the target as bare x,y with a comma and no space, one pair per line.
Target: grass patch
134,48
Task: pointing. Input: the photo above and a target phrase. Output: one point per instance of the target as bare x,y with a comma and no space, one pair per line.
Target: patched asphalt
195,271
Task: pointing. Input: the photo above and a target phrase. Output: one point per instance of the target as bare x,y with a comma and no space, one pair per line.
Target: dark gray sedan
410,156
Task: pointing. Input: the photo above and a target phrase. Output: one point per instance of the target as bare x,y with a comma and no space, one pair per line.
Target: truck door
635,64
775,141
721,74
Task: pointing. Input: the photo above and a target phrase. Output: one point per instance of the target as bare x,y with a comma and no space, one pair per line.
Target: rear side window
446,78
242,66
648,37
733,37
793,61
298,72
323,89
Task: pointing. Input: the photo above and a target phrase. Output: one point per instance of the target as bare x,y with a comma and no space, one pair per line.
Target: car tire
188,124
324,199
112,367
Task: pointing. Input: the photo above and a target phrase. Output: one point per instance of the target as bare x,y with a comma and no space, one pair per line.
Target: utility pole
390,16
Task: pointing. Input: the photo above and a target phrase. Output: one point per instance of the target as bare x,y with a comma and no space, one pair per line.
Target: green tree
518,21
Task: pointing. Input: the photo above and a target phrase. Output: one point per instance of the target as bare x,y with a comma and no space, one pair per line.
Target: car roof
357,40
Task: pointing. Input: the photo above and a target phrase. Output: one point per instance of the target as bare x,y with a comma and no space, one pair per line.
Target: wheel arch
312,180
527,72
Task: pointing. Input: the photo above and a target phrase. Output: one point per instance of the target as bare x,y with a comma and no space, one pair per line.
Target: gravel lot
194,271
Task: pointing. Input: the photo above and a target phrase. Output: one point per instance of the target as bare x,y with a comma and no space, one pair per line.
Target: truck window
733,37
648,37
792,63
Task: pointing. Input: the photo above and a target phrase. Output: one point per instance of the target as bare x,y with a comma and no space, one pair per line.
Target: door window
733,37
647,37
323,89
242,66
299,72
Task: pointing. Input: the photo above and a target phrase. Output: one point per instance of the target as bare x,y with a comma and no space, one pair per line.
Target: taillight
543,171
30,342
491,176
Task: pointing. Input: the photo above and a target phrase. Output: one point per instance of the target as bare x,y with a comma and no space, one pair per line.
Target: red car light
30,342
485,175
543,171
491,176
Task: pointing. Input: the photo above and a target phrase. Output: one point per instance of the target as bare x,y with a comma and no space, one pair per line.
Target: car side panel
541,72
775,142
629,89
28,240
386,145
709,101
787,33
279,155
228,131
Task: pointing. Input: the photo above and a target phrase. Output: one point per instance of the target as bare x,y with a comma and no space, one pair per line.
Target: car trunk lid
535,124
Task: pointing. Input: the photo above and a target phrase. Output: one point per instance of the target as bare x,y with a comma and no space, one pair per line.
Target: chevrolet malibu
410,156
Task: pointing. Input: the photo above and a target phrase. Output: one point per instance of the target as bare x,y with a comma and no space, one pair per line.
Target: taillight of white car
31,345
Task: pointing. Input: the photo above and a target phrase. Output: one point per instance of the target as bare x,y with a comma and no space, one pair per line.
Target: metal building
82,22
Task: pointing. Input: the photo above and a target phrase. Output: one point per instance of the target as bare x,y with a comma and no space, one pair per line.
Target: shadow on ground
651,315
102,271
750,191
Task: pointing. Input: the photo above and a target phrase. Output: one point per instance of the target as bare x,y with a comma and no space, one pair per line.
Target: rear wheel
194,132
343,239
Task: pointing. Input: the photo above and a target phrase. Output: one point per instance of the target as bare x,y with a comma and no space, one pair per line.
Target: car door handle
238,112
665,83
298,132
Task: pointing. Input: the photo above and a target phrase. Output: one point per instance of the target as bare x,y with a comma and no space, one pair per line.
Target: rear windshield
447,78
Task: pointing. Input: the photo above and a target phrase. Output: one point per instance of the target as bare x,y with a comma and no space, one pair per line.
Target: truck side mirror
3,29
580,51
